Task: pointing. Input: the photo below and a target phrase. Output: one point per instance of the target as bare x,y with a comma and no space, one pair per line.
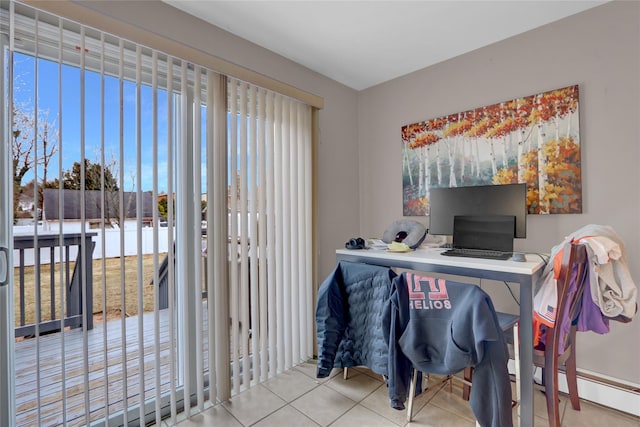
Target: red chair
573,271
570,285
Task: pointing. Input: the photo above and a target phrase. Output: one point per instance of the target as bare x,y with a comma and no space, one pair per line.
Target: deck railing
73,286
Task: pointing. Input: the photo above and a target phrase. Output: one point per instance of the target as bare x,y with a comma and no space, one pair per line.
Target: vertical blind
269,164
194,193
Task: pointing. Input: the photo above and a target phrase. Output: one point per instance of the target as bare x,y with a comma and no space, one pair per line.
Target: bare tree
31,146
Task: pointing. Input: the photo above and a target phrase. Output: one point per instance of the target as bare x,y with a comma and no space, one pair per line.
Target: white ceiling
364,43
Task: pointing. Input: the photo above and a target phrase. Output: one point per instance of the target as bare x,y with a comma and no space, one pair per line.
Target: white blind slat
308,215
263,214
62,255
279,234
244,235
121,219
212,252
272,253
103,243
171,248
139,222
253,235
156,246
294,180
234,282
83,226
183,201
285,183
197,250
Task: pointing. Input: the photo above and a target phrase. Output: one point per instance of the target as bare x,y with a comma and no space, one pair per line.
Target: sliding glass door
155,232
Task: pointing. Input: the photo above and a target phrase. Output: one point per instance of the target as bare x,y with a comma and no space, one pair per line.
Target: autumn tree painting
533,140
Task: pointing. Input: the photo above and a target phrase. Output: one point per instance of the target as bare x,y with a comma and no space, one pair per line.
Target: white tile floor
297,398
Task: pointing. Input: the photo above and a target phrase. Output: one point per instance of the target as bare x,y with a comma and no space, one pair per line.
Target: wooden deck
49,395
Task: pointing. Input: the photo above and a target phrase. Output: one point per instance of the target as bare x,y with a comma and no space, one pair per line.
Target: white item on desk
376,244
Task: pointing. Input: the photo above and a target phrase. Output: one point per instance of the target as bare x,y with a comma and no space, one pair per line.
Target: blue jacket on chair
441,327
349,318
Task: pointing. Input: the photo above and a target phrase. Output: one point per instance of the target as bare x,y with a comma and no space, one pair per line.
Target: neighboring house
72,207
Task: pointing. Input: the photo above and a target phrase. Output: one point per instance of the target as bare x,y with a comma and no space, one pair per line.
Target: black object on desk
478,253
483,236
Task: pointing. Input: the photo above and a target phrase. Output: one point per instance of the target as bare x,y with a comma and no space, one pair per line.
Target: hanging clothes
610,293
441,327
349,318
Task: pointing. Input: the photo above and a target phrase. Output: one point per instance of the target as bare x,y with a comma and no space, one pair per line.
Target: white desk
523,273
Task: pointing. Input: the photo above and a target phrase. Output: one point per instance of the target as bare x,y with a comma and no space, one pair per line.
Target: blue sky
48,94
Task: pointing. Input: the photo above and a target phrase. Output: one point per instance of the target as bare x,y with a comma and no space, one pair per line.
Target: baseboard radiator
609,392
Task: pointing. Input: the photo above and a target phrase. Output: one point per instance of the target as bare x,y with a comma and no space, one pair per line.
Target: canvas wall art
534,139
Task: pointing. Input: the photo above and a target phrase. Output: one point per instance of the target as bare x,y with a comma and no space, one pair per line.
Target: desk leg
526,352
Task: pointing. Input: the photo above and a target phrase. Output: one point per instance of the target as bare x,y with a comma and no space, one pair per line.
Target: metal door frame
7,367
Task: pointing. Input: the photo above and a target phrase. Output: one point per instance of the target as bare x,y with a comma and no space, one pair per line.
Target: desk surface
432,256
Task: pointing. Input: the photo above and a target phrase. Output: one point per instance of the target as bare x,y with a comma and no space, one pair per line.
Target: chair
440,326
570,286
506,321
573,272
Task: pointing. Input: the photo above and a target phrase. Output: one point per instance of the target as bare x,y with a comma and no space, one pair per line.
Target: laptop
483,236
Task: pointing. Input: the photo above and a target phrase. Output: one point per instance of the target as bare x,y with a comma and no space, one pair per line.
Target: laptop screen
492,232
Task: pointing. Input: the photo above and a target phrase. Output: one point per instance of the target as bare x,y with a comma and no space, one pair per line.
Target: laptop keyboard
478,253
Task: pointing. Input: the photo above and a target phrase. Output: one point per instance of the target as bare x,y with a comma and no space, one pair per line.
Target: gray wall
359,177
598,49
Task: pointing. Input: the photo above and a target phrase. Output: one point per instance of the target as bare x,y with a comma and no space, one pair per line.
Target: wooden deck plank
51,374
